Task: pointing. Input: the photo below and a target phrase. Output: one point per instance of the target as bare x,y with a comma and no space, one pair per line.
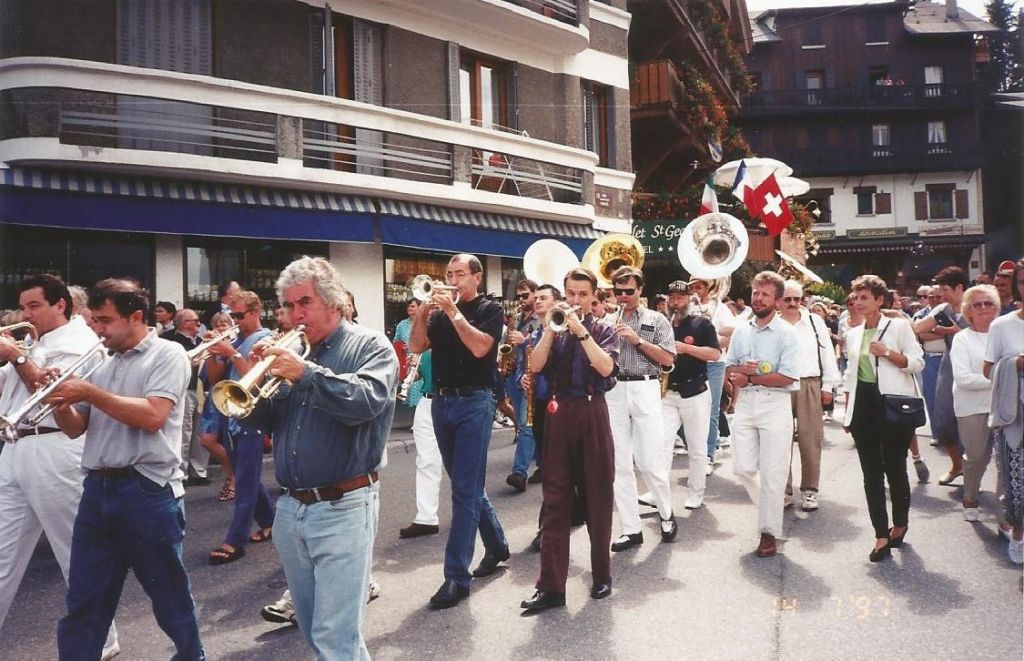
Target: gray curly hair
325,278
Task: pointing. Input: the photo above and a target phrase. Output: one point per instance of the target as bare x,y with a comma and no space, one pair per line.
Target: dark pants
127,523
882,449
578,449
251,500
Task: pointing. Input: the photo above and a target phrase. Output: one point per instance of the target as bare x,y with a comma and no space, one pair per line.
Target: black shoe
542,600
196,481
516,481
897,542
601,590
535,478
490,561
534,546
627,542
417,530
449,594
877,555
669,528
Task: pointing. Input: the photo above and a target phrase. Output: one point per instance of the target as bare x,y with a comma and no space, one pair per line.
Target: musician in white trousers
40,473
428,456
634,410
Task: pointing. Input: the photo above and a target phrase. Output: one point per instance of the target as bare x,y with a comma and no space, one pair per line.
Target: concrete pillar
362,270
169,283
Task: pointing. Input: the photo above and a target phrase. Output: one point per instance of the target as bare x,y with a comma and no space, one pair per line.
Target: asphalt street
950,593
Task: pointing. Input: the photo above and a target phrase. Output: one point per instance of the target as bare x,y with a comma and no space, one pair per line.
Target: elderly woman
1004,364
972,391
883,356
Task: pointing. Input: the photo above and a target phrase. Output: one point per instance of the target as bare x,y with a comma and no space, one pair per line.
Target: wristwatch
236,356
20,360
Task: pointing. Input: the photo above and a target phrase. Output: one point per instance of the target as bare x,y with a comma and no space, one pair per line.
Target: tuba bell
713,245
548,261
611,252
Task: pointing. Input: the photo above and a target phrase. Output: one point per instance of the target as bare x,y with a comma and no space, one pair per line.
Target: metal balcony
942,96
915,157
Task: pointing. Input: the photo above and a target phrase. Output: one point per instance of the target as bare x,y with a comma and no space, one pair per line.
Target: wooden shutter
960,201
454,63
921,205
316,52
883,203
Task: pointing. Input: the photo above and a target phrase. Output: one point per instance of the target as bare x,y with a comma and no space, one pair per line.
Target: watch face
20,360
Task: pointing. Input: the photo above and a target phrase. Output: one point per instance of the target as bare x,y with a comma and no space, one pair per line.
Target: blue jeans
526,444
463,429
127,523
716,379
326,550
251,500
929,379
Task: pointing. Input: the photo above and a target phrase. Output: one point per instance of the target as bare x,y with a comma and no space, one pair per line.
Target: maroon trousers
577,450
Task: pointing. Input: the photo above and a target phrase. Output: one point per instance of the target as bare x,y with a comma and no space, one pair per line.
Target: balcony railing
894,97
564,11
920,157
656,85
525,177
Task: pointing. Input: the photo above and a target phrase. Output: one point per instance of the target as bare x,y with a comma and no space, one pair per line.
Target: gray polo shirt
151,369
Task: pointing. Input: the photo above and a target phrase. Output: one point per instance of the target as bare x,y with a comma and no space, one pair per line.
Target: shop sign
824,235
946,230
877,233
659,236
603,199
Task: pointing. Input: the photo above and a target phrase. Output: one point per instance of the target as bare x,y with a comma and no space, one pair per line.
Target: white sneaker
112,651
373,591
971,514
1015,549
694,500
281,611
787,501
711,467
724,441
809,500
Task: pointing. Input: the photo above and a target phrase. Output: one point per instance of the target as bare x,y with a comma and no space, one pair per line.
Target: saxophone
663,378
410,377
506,352
528,391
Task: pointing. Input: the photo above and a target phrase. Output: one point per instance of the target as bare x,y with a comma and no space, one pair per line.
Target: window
940,203
597,129
818,201
865,203
937,138
483,92
815,80
812,34
879,76
933,81
875,29
881,141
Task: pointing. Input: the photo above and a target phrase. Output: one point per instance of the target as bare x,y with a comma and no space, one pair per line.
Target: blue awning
458,230
108,202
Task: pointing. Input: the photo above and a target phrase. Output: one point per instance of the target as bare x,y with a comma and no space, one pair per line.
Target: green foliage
827,289
1005,72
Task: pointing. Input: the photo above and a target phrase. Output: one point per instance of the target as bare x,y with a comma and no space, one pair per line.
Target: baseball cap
704,280
1005,267
678,285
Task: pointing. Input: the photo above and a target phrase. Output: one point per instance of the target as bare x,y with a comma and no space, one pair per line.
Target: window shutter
316,52
921,205
883,203
960,199
367,61
330,82
588,115
512,81
453,82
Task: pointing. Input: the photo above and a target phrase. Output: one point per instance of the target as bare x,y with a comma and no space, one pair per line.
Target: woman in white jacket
883,355
972,391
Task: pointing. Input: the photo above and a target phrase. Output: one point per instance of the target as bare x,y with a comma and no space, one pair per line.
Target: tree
1005,72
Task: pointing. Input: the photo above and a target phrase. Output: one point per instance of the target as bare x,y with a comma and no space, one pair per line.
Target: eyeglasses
522,296
195,319
922,295
239,315
977,305
627,291
791,299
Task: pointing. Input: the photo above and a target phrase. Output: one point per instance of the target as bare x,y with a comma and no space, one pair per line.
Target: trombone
23,344
423,288
202,351
237,399
33,411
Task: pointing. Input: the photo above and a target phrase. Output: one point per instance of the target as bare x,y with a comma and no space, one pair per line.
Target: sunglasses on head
625,291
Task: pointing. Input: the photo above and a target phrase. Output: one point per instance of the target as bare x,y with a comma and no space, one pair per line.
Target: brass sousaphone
611,252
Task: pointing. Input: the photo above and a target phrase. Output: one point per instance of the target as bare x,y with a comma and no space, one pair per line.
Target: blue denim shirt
331,425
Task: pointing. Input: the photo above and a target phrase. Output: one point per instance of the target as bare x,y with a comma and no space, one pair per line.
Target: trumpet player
131,515
194,456
245,439
40,474
634,406
578,367
329,427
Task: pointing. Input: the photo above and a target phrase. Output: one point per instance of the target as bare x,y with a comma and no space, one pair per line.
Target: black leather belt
334,492
460,391
33,431
644,377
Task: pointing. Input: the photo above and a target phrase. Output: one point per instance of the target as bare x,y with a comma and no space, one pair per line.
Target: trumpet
33,411
202,351
23,343
558,318
423,288
237,399
410,377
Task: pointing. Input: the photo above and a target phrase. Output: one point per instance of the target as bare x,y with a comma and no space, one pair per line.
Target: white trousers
762,433
40,487
192,451
428,464
634,409
694,414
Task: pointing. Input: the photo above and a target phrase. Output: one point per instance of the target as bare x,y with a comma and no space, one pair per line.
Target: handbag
901,410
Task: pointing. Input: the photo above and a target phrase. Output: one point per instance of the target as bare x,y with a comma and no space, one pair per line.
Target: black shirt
454,366
702,334
189,344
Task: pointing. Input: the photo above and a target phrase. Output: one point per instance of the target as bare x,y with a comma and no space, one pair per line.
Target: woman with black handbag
883,409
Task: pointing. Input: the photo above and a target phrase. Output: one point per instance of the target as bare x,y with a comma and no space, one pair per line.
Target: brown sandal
227,492
261,535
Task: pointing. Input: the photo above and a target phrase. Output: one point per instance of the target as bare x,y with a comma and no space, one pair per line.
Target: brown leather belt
333,492
114,473
32,431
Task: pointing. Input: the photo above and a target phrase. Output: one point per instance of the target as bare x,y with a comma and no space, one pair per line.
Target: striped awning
902,245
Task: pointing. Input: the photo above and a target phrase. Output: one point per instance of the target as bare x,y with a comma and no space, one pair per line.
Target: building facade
877,106
188,142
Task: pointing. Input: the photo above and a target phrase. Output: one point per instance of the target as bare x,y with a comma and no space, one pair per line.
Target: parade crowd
112,406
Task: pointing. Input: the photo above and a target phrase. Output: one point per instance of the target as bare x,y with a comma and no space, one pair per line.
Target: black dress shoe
627,542
534,546
449,594
897,542
490,561
601,590
669,529
516,481
535,478
877,555
542,600
196,481
417,530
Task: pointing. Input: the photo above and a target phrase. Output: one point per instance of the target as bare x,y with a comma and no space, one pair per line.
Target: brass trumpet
202,351
558,318
33,411
423,287
237,399
23,343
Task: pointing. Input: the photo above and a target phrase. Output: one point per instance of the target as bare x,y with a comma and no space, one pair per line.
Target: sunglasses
977,305
627,291
522,296
239,315
791,299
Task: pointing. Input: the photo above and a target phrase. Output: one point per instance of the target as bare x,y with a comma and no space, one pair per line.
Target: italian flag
709,202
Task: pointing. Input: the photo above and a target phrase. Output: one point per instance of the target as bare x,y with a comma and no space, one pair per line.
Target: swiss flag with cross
767,203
